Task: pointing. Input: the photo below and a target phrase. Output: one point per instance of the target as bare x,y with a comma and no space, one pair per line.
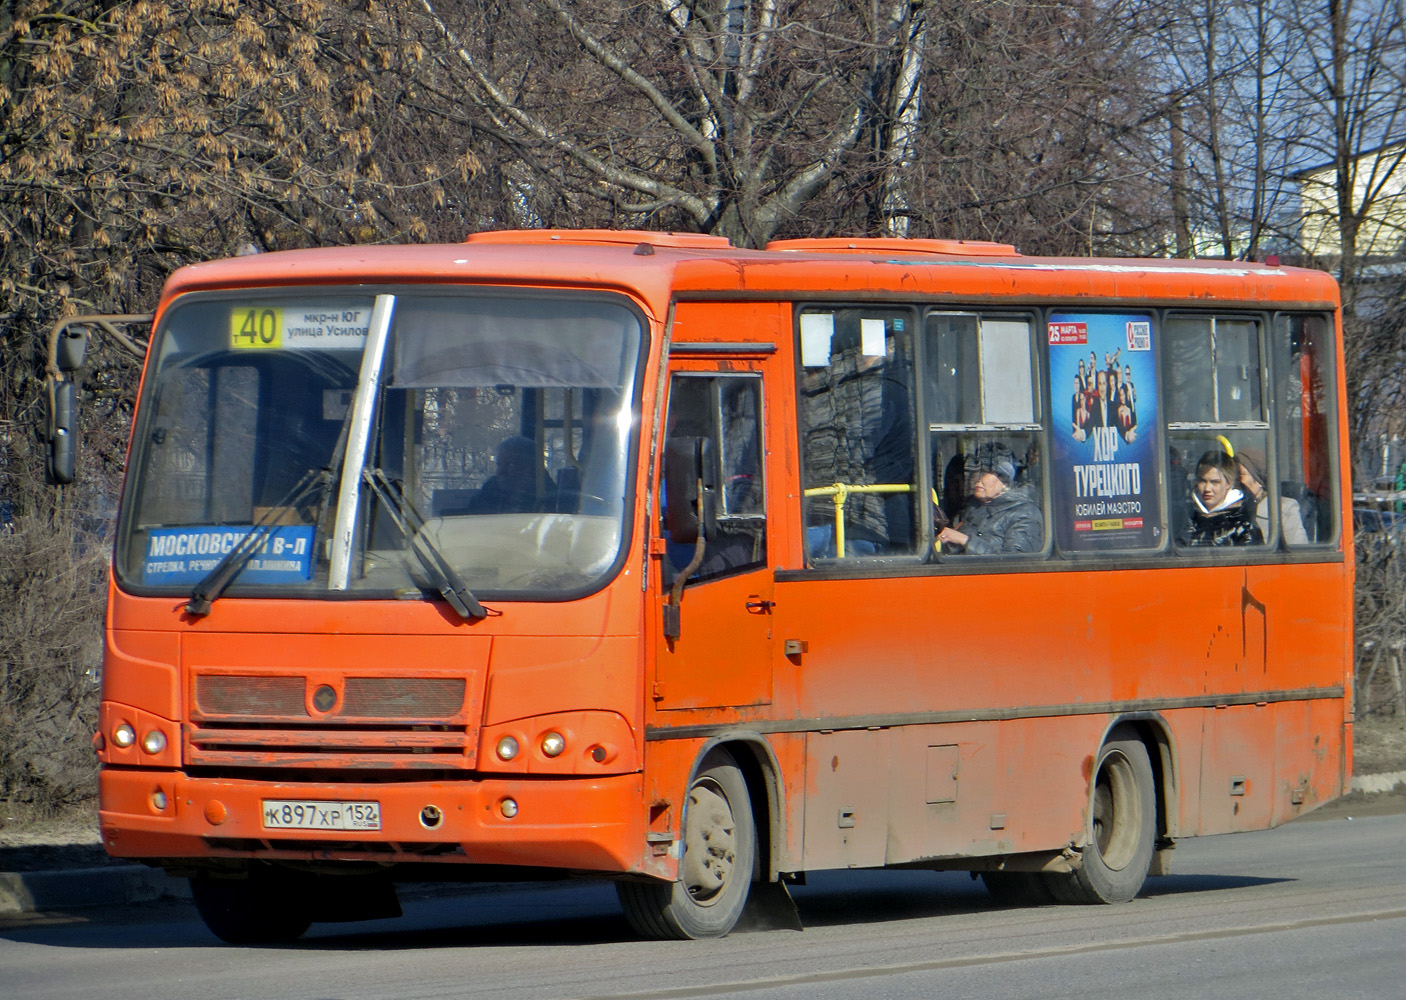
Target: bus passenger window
984,434
1302,351
726,410
1001,508
1218,434
858,440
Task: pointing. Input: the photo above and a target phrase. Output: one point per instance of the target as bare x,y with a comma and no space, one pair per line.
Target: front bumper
583,824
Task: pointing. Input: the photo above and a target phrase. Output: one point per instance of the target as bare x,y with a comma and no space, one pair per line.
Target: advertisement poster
1103,382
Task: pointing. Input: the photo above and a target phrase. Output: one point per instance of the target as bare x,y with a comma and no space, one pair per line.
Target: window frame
1217,429
1037,428
922,531
1333,501
126,574
668,571
1166,553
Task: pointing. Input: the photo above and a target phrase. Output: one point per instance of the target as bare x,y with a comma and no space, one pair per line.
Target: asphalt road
1312,910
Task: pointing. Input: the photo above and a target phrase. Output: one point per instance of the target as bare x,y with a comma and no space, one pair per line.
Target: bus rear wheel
257,909
716,869
1122,822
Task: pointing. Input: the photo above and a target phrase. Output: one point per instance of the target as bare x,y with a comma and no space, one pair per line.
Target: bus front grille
289,720
273,697
314,746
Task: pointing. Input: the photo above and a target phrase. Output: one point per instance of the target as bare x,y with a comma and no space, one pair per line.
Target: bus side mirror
687,463
63,422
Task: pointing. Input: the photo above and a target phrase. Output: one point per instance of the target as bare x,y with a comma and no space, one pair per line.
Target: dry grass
52,594
23,825
1380,625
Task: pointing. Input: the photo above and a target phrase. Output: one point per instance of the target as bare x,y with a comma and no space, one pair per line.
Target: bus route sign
185,555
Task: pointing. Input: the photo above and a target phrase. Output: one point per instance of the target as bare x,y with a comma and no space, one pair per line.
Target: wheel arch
1151,729
760,769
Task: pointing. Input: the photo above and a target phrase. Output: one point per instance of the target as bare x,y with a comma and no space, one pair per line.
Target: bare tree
136,136
1030,114
1350,75
1349,96
1232,139
740,117
724,116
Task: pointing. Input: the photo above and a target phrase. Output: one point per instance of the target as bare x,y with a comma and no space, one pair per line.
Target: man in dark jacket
1000,519
1220,513
521,484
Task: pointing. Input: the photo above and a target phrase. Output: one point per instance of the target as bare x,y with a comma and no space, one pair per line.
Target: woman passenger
1252,476
1220,513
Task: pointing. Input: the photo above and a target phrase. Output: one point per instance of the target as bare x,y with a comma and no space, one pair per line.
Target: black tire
1018,888
259,909
1121,827
717,867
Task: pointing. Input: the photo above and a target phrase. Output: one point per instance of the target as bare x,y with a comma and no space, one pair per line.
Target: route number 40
255,328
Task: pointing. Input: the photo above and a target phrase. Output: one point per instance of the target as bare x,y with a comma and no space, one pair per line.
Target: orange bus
642,556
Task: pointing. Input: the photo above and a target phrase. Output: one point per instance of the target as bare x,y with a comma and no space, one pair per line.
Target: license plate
315,814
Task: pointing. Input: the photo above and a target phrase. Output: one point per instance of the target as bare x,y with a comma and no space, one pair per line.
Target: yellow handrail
840,493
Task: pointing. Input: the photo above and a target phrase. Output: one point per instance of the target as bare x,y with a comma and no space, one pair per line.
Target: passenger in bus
520,484
1030,475
1252,477
1001,519
1220,513
954,486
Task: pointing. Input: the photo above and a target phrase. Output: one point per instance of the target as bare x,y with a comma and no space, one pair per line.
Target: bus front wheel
716,869
257,909
1122,822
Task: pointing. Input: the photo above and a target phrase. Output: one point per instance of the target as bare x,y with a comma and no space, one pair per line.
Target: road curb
36,892
1372,784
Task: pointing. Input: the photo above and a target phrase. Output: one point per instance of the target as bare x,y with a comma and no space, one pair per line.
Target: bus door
716,591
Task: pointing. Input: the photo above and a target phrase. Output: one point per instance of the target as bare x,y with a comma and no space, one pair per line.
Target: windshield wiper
322,478
213,583
411,525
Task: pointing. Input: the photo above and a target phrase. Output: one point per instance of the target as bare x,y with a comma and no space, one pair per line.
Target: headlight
553,744
507,748
124,736
154,742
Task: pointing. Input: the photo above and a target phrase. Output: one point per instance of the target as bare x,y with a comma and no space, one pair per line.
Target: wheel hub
710,843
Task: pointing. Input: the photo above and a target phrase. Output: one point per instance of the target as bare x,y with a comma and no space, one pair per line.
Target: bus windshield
487,439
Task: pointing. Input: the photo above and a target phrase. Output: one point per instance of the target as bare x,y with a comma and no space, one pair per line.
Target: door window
726,412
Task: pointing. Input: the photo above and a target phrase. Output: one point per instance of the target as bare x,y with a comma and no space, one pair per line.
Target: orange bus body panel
888,717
